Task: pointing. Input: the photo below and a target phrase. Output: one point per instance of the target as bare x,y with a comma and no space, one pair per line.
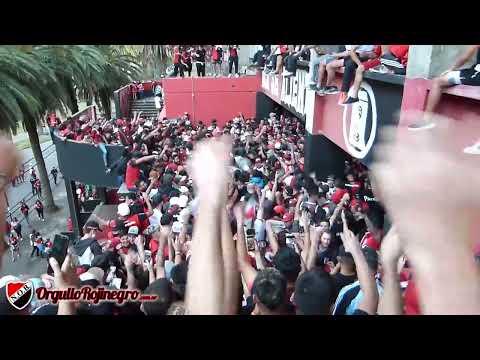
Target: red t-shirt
337,195
96,137
172,166
176,56
132,175
401,52
232,51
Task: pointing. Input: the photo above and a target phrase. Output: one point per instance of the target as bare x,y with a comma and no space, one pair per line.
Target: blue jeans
104,151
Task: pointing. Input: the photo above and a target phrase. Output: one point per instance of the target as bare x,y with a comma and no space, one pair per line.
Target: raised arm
162,241
148,203
248,271
366,277
307,241
230,268
274,188
272,239
207,258
145,159
391,302
338,209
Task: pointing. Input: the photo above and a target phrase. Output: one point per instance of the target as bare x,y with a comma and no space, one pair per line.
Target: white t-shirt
155,218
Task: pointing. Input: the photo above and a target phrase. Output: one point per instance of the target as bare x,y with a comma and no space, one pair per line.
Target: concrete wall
211,98
428,61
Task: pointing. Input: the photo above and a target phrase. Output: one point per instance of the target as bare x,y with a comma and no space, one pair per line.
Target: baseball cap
182,201
279,209
94,273
117,226
288,217
174,201
177,227
123,209
133,230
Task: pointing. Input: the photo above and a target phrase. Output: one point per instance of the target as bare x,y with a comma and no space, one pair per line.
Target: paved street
17,193
55,222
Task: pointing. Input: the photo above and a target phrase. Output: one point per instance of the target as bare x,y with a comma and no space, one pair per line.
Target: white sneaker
237,75
229,75
287,73
473,150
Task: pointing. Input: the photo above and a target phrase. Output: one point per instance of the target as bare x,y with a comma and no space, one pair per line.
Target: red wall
211,98
459,103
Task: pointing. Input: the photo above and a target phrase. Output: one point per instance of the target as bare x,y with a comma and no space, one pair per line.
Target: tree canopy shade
38,79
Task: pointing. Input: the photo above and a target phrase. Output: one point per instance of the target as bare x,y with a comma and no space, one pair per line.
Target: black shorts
465,77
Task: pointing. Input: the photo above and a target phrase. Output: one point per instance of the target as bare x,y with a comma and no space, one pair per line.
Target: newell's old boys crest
19,293
360,123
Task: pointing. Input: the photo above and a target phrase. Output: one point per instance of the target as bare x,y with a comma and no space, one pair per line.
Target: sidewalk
54,224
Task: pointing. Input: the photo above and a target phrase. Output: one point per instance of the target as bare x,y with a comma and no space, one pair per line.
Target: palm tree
35,80
120,69
153,58
28,89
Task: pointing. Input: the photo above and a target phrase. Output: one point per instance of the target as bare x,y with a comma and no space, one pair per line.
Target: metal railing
12,210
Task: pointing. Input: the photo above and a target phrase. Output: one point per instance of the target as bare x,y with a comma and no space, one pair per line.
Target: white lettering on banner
265,81
291,91
275,89
294,92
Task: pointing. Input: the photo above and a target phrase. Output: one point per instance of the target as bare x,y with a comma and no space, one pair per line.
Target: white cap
177,227
184,215
183,189
94,273
79,191
153,192
123,209
183,201
133,230
187,122
174,200
278,145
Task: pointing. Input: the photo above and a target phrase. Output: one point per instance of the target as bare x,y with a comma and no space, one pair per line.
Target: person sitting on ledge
355,64
451,77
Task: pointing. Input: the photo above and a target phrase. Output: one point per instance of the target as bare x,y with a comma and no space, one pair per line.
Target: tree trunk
73,98
42,170
106,103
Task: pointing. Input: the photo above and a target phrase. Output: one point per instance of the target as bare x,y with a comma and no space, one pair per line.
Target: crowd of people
290,232
215,55
224,220
233,204
325,61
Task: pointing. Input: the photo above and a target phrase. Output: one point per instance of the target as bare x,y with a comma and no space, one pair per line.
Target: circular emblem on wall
360,123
